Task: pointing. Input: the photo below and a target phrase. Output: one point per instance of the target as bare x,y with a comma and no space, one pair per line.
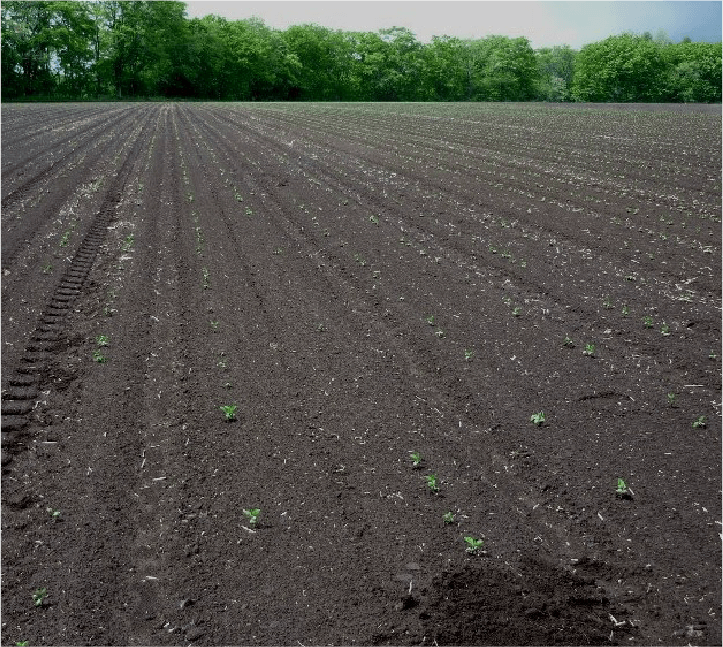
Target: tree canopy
116,49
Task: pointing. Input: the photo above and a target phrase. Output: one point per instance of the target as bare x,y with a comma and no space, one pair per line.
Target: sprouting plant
374,219
359,259
377,274
47,268
568,342
22,643
278,251
608,303
416,458
128,243
538,418
39,596
440,333
222,363
468,355
448,517
625,311
648,321
671,399
699,422
239,197
55,514
249,211
64,238
665,330
516,312
229,411
321,328
102,340
214,325
206,279
473,544
252,514
589,350
712,355
622,489
99,357
523,263
430,320
432,482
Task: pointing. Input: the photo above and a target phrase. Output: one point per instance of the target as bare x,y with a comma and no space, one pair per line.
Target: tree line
139,49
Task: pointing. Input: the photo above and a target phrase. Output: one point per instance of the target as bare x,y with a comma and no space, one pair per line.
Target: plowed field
525,297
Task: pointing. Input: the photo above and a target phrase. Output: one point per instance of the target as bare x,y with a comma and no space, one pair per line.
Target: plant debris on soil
227,327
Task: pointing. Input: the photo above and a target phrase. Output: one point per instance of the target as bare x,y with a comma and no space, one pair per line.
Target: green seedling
516,312
665,330
239,197
249,211
214,325
622,490
430,320
538,418
648,321
99,357
568,342
252,514
55,514
206,279
278,251
229,411
468,355
102,340
416,458
625,311
712,355
671,399
321,328
128,243
359,259
440,333
64,238
448,517
699,422
473,544
47,268
374,219
222,363
39,596
22,643
608,303
432,482
589,350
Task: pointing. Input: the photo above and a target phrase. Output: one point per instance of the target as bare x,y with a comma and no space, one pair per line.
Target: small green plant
321,328
206,278
665,330
64,238
517,311
252,515
699,422
249,211
713,355
47,268
359,259
222,363
448,517
39,596
473,544
430,320
671,399
538,418
214,325
568,342
55,514
589,350
622,490
229,410
432,482
374,219
648,321
625,311
468,355
102,340
416,458
99,357
22,643
608,303
440,333
278,251
128,243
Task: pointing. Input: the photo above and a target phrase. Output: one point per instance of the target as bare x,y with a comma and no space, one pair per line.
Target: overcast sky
544,23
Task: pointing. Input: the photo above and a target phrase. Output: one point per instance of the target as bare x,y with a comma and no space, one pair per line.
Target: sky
544,23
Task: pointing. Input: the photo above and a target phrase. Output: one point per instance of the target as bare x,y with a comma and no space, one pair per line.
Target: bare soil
362,282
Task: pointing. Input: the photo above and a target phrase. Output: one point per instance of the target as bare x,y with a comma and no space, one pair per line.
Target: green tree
619,68
556,66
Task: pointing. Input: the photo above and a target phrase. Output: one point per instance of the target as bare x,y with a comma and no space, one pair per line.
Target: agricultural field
361,374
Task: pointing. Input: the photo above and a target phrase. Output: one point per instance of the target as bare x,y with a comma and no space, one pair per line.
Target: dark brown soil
363,282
